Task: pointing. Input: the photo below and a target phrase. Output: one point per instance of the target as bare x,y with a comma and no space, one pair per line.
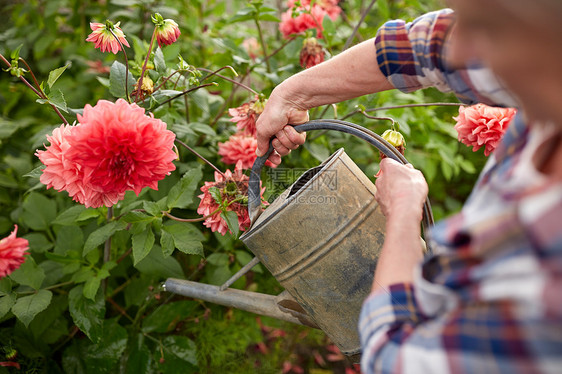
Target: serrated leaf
5,286
231,219
55,74
167,316
87,314
159,61
152,208
91,288
69,216
99,236
29,274
202,128
181,194
27,307
180,355
57,99
38,211
156,264
137,357
69,238
186,237
137,217
6,303
142,244
167,243
87,214
218,259
38,242
117,75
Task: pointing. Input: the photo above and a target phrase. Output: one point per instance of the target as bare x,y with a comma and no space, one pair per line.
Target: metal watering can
320,239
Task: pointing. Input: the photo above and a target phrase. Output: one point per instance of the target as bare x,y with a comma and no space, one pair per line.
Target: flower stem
199,219
228,79
36,91
201,157
263,46
184,93
400,107
126,66
139,84
354,32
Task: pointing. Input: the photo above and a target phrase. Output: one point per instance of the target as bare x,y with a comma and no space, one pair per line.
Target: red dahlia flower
104,39
245,116
240,148
12,250
481,125
312,53
230,194
115,148
167,31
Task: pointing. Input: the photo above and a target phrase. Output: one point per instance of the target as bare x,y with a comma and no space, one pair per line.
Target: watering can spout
282,307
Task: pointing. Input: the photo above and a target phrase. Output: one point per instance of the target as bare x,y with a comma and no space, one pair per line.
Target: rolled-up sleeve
412,55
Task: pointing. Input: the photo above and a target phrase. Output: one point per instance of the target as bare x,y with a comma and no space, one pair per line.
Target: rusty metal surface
254,302
322,244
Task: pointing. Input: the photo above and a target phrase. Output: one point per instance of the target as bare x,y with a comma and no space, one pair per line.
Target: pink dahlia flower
233,191
481,125
104,39
245,115
252,47
115,148
12,252
307,18
240,148
167,31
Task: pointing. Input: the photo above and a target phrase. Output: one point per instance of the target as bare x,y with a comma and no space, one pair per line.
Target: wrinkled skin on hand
278,113
401,190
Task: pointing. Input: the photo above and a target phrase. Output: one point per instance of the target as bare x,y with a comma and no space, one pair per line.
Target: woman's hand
278,113
401,190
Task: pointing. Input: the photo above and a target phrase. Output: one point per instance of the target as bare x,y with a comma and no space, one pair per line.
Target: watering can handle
254,195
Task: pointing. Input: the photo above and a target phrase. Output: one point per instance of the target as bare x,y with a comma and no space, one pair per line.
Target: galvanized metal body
321,240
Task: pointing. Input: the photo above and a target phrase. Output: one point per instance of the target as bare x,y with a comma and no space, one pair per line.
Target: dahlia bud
396,139
167,31
312,53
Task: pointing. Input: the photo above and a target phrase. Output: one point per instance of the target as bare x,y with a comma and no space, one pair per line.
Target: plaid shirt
490,298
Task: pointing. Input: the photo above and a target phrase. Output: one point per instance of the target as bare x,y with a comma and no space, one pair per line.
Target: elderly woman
490,299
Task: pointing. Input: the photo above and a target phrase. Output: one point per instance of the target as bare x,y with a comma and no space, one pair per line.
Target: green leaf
38,242
6,303
27,307
69,238
152,208
218,259
159,61
137,358
156,264
5,286
268,17
231,219
55,98
99,236
142,244
87,314
29,274
167,243
181,194
166,316
117,76
91,288
87,214
186,237
69,216
82,275
38,211
55,74
137,217
35,173
202,128
180,355
243,14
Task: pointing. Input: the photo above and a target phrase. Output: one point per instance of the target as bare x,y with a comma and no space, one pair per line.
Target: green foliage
88,298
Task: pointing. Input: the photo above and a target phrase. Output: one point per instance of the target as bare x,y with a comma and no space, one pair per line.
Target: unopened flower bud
396,139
